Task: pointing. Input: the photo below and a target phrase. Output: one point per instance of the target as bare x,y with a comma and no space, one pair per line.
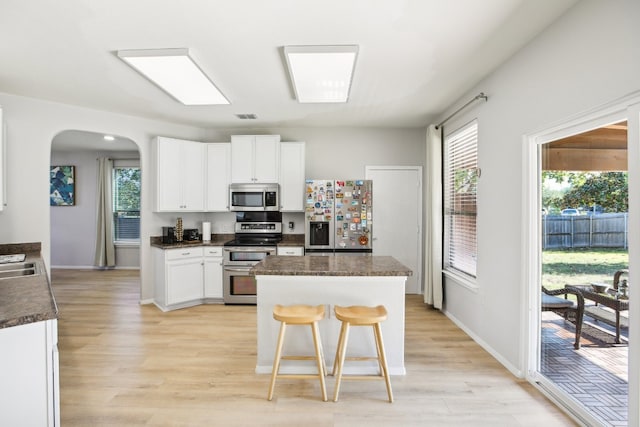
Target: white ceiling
416,58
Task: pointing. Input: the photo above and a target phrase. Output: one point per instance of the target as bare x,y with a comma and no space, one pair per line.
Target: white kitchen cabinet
292,179
3,164
180,175
179,277
290,250
218,173
213,273
29,367
255,158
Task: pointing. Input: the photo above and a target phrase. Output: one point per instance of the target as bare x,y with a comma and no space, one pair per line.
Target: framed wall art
62,191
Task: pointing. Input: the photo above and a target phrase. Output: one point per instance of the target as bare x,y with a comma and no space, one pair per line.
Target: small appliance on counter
191,234
169,235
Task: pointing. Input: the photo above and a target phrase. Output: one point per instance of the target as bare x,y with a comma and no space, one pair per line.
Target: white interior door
397,217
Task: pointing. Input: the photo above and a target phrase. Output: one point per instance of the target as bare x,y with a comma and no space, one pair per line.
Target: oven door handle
239,269
252,249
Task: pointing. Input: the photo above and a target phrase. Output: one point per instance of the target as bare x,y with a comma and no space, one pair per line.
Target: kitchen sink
11,271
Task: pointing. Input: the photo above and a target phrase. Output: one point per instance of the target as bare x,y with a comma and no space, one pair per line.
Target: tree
608,189
586,189
127,189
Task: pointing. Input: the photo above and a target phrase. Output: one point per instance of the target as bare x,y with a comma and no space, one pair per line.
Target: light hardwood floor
125,364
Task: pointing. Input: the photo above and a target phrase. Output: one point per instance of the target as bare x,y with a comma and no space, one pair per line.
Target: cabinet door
192,171
168,175
184,280
292,171
242,158
218,176
213,277
266,158
3,164
290,250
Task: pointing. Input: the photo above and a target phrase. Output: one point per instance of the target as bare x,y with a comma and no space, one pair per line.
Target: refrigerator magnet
354,203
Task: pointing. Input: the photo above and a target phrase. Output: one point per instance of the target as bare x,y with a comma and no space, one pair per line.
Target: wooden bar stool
299,315
361,316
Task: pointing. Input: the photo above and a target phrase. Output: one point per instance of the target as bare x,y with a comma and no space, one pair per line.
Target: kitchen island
331,280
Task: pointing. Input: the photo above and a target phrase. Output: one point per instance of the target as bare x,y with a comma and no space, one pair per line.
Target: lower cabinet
290,250
29,369
213,273
185,277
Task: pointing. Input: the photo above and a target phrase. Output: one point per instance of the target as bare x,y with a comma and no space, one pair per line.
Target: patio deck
597,374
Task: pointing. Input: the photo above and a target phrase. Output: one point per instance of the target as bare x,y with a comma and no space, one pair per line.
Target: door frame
626,108
419,274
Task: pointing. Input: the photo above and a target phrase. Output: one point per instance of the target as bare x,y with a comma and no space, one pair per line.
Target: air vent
246,116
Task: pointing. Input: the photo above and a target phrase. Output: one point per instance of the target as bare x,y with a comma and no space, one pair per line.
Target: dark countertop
292,240
221,239
26,299
216,240
330,266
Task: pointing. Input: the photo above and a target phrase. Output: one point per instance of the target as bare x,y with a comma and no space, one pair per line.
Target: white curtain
433,293
105,251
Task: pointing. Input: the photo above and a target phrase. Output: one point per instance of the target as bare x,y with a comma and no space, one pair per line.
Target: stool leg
337,358
276,360
344,337
319,358
383,359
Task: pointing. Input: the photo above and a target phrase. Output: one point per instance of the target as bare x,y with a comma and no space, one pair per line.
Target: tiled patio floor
596,375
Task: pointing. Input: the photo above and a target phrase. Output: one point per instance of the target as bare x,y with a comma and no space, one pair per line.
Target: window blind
460,182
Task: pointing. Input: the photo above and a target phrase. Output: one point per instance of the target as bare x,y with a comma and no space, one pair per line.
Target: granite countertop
216,240
330,266
220,240
26,299
292,240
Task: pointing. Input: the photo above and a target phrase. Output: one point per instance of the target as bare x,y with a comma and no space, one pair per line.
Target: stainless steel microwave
254,197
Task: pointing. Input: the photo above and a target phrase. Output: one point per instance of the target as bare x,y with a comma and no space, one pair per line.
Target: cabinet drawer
216,251
291,250
182,253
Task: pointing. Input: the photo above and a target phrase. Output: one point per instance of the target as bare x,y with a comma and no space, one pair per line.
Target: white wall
590,56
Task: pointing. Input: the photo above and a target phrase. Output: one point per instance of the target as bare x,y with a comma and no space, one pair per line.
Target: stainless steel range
256,237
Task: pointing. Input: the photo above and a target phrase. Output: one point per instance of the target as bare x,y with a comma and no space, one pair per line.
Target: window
460,180
126,204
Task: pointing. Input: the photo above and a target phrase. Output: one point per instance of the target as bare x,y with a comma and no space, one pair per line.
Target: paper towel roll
206,231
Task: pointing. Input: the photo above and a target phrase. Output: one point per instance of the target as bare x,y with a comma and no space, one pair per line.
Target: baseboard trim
513,369
91,267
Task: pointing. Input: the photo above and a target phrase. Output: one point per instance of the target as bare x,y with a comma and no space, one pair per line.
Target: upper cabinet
218,176
255,158
292,176
180,175
3,165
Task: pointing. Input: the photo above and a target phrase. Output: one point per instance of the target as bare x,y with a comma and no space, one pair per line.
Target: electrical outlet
291,225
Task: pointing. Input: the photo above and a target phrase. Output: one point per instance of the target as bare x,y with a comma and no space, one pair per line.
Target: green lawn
581,266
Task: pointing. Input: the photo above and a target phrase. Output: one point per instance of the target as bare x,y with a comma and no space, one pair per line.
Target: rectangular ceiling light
175,72
321,73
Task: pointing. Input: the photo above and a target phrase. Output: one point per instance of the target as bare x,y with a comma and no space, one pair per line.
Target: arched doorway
73,226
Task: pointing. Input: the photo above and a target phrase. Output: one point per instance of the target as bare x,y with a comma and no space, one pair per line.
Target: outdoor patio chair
617,275
562,306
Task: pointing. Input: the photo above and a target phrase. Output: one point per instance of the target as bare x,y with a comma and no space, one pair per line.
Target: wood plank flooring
125,364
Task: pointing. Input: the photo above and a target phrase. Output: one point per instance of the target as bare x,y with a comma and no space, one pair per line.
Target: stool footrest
298,376
363,377
298,358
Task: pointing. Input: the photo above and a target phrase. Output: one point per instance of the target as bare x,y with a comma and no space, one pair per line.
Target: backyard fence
582,231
